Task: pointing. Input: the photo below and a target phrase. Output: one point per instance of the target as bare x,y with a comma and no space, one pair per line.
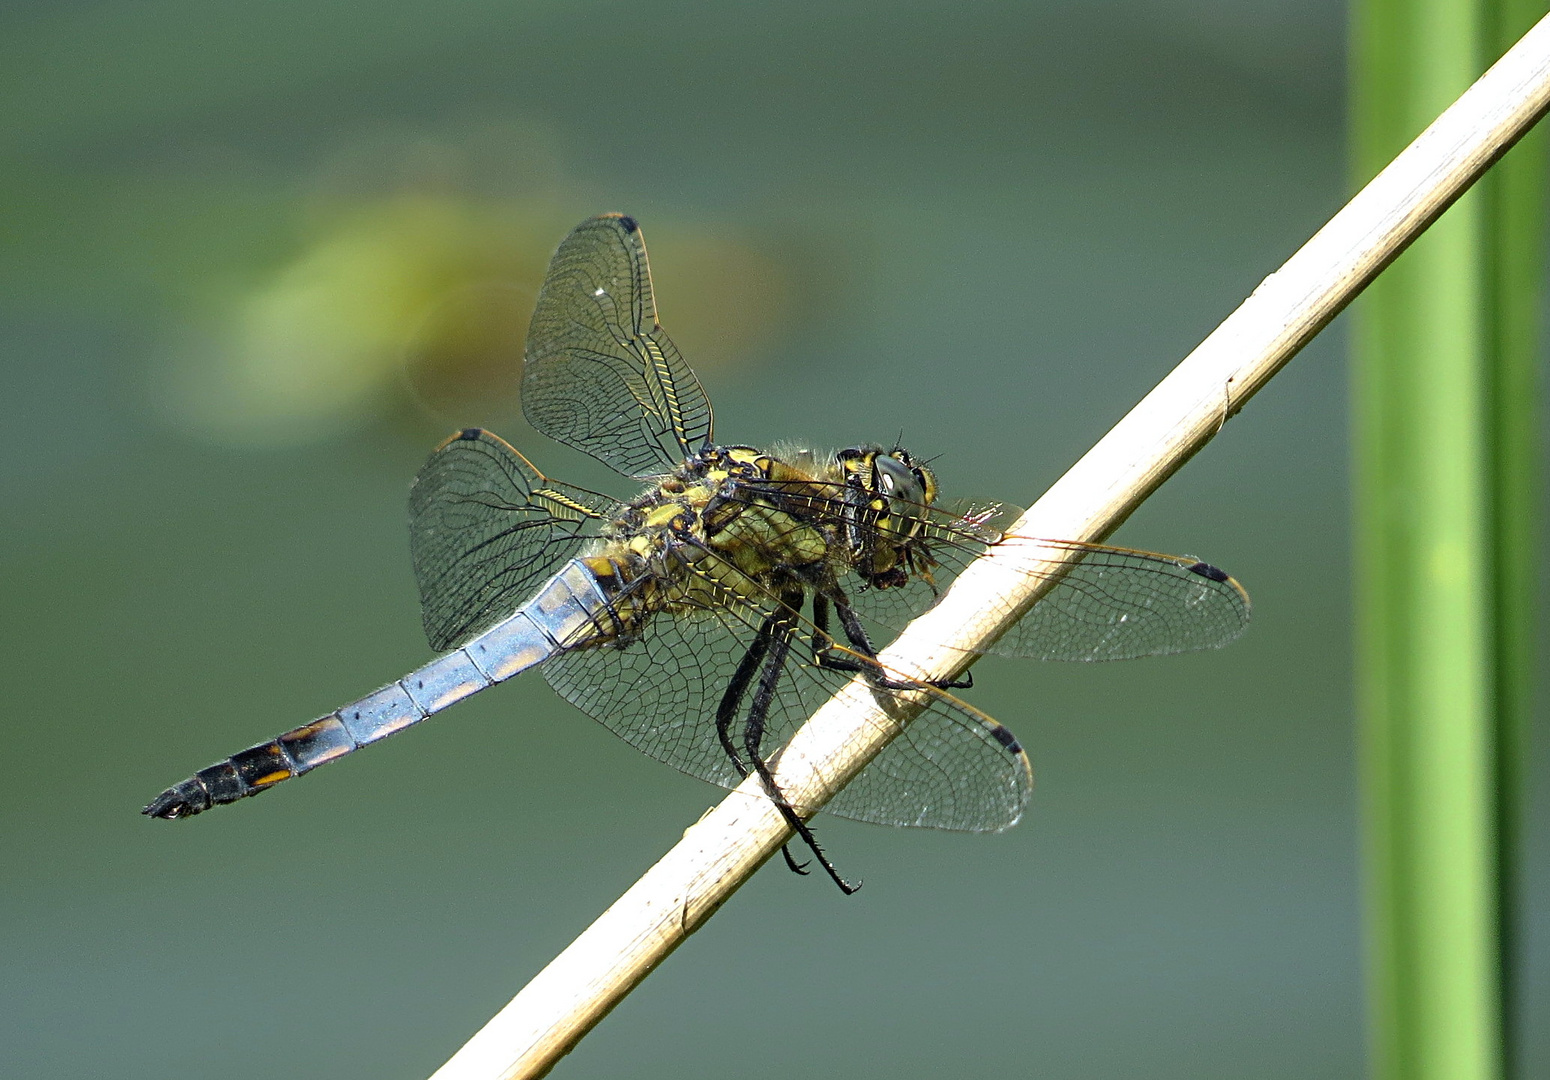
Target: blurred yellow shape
426,298
324,342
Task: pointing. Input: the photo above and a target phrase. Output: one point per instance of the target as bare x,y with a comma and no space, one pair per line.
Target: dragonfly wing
1117,604
1109,604
600,374
949,768
1112,604
485,529
952,767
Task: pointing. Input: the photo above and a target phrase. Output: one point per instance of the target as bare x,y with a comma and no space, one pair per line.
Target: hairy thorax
762,525
732,517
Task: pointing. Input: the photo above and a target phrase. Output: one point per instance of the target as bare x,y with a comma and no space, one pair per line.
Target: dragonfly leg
727,710
732,699
823,642
862,643
753,736
858,637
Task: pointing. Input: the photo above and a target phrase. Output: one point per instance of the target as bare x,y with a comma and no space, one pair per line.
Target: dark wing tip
1209,572
1007,740
629,223
470,434
179,801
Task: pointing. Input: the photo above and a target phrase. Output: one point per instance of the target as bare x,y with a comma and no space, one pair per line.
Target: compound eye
899,482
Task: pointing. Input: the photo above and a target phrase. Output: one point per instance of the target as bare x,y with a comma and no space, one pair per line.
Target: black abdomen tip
469,434
629,223
179,801
1206,570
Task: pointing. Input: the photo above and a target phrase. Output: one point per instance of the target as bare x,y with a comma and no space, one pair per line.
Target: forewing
600,374
1111,604
951,767
1117,604
485,529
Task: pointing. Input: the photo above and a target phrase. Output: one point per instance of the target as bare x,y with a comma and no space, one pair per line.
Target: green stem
1445,492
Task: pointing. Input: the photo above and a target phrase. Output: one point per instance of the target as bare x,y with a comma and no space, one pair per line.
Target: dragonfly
704,619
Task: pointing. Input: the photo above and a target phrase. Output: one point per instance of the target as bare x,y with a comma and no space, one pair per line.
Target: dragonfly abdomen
565,605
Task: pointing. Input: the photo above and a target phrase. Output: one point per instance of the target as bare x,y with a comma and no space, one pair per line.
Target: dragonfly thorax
773,521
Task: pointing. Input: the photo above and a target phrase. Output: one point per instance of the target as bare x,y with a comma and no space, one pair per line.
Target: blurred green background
258,259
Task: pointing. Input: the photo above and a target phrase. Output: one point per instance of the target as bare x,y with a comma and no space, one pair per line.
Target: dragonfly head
897,485
901,481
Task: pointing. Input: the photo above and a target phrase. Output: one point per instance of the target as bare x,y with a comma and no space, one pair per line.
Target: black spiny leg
862,643
732,700
753,735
